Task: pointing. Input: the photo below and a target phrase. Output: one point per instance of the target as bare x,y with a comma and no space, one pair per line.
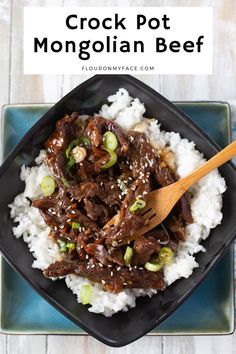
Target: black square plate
121,328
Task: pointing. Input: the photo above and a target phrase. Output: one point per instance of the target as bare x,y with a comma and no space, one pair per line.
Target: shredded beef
144,248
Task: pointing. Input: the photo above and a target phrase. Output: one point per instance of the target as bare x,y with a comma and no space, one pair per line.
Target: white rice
206,204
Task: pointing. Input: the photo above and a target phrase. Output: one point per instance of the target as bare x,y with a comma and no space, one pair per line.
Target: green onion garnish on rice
165,255
86,294
152,267
48,185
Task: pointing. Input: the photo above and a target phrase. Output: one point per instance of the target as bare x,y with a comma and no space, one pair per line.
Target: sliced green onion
63,249
110,141
65,182
122,185
70,147
71,246
86,294
165,255
152,267
138,204
62,244
113,158
84,140
70,162
48,185
128,255
75,225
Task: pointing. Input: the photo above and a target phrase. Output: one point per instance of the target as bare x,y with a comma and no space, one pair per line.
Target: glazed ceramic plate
208,310
24,311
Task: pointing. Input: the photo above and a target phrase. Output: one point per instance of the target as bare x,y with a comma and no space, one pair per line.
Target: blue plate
209,310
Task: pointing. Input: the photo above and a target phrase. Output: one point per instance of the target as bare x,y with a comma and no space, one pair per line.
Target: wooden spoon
161,201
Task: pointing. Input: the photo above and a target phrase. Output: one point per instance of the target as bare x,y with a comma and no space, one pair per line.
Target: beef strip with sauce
114,279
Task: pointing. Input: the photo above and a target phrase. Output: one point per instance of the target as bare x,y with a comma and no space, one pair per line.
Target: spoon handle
216,161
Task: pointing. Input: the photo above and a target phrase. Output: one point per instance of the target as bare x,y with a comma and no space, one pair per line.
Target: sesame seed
87,256
125,284
112,186
100,265
103,281
112,274
118,268
73,212
93,265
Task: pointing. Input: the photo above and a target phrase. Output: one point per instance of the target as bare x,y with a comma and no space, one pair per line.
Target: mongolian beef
97,170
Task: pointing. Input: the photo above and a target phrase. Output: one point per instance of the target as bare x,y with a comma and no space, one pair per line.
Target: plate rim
221,251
